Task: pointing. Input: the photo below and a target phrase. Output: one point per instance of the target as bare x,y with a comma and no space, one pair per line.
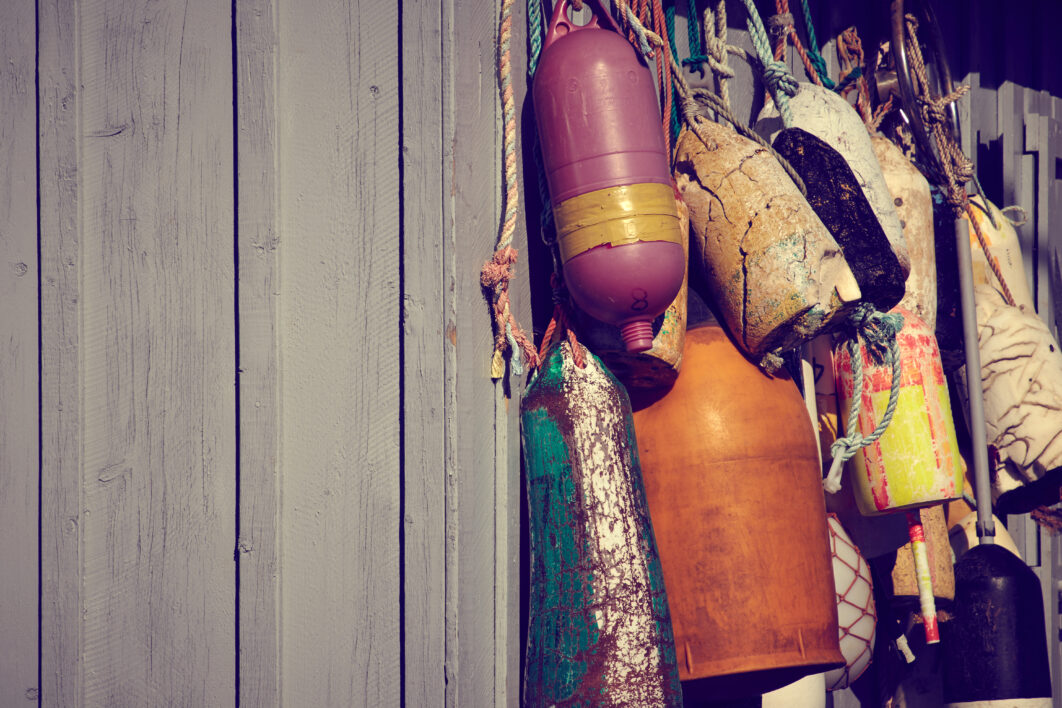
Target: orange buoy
751,593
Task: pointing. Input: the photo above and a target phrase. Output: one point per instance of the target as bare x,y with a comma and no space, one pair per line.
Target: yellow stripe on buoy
616,216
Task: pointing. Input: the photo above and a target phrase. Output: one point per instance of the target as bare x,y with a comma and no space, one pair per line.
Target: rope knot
498,271
778,78
780,25
877,329
932,111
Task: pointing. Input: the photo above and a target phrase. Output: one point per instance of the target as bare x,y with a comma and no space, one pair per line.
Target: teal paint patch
599,630
559,633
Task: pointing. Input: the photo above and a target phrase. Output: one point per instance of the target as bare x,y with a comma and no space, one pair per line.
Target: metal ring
942,75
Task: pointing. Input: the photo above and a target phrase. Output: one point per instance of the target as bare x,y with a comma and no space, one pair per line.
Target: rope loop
776,75
877,331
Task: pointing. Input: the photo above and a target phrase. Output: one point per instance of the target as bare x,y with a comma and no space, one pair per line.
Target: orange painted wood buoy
734,492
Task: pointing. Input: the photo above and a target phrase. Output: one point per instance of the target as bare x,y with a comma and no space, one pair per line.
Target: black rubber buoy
834,193
995,647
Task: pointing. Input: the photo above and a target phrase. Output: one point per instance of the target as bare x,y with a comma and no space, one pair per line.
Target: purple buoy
608,172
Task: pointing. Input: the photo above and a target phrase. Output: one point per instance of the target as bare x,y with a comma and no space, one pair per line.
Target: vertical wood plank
258,242
482,630
424,323
337,86
19,463
140,493
471,216
60,335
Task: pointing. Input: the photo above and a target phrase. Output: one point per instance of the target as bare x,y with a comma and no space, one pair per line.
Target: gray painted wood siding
19,496
259,435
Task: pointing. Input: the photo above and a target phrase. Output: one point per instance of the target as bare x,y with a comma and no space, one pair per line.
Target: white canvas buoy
1021,372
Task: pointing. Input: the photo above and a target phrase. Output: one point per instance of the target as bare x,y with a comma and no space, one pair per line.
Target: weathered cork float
599,629
609,175
938,549
751,594
659,366
770,266
823,114
913,200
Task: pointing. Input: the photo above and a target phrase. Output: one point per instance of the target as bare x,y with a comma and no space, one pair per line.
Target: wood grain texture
19,463
258,249
157,352
482,457
424,323
62,671
337,84
472,111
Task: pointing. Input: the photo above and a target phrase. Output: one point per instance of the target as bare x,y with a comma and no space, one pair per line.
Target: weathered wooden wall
249,450
19,446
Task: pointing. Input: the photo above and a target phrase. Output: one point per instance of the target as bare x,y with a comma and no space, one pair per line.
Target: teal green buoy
599,632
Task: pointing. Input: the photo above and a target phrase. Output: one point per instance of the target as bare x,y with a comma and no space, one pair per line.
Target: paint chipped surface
773,270
600,630
916,462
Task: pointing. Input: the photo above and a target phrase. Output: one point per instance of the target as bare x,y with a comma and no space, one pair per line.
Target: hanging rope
694,31
817,59
781,24
717,50
993,262
878,331
957,169
690,99
536,30
558,328
498,272
853,72
780,83
675,123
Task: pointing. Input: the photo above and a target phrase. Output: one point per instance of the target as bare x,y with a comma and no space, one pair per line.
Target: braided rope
993,262
957,168
675,123
879,331
817,59
782,27
850,53
776,76
498,271
536,30
694,30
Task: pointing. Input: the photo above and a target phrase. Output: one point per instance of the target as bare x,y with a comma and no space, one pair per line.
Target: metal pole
986,527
